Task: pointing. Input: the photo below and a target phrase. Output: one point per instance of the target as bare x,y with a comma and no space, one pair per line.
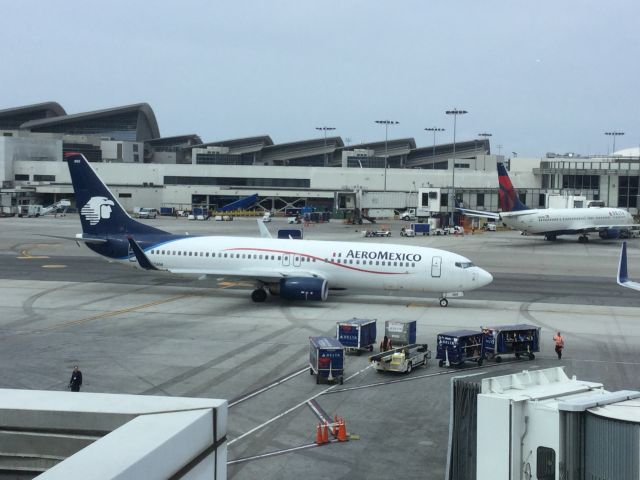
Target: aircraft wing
248,274
623,278
264,231
479,213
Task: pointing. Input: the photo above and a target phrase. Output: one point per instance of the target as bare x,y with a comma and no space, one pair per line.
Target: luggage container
294,233
421,228
518,340
326,359
357,334
460,346
400,332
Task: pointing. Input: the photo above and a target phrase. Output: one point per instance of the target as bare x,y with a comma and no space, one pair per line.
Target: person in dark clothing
76,379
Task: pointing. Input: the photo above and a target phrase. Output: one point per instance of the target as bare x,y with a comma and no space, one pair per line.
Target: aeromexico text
391,256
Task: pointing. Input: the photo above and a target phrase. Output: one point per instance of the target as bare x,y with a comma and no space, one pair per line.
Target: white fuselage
541,221
344,265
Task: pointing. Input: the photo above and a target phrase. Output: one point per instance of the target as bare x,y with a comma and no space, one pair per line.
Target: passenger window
225,255
207,254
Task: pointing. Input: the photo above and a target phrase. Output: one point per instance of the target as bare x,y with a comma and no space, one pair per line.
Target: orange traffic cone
319,435
342,431
334,430
325,433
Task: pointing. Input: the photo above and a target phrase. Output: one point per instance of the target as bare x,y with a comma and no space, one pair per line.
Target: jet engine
609,233
304,288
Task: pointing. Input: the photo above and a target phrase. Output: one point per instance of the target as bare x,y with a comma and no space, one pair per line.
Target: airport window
545,463
444,199
44,178
18,177
541,200
480,199
240,182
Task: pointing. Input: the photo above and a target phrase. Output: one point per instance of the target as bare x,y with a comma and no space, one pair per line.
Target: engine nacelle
609,233
304,288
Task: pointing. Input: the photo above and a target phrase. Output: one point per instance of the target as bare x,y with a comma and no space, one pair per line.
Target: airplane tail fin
509,201
100,212
623,276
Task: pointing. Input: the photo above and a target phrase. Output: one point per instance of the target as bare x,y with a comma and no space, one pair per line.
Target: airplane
292,269
552,222
623,278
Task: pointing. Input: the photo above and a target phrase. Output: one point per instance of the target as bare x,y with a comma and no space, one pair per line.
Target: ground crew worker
76,380
386,344
559,344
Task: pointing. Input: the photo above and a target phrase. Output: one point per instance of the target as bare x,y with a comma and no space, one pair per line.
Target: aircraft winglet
264,231
143,260
623,276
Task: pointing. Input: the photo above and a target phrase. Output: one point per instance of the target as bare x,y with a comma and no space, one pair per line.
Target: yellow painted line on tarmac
113,313
26,256
53,265
234,284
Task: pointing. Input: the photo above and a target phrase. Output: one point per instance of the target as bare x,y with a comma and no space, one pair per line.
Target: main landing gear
259,295
550,237
583,239
444,302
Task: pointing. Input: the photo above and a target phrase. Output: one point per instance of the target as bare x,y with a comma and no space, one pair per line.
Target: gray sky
540,75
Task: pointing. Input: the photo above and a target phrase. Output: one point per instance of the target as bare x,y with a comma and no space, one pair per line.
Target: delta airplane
552,222
623,277
292,269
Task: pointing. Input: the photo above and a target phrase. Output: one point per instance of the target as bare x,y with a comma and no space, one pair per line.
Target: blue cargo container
357,334
422,228
455,348
400,332
519,340
294,233
326,358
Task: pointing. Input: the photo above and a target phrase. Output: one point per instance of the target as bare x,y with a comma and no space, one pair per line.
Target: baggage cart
326,359
357,334
401,359
460,346
520,340
400,332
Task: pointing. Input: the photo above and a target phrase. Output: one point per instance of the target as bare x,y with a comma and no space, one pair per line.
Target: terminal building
145,169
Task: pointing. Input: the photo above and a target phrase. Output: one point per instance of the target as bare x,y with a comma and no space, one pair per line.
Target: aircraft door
297,259
286,259
436,267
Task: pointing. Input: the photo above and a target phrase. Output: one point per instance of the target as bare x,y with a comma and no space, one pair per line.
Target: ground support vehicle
147,213
460,346
422,228
326,359
357,335
401,359
518,340
400,332
407,232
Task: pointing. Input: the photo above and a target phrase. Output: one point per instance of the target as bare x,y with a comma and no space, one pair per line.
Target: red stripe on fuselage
319,259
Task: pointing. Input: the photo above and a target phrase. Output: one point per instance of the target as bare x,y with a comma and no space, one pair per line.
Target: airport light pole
614,135
455,112
325,129
386,124
434,130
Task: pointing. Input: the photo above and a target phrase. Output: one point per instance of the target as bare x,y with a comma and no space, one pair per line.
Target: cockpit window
464,264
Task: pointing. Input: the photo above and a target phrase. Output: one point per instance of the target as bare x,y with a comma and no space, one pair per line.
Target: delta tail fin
509,201
100,213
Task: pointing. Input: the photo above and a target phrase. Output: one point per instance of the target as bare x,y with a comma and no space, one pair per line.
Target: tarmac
152,333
